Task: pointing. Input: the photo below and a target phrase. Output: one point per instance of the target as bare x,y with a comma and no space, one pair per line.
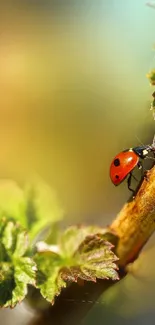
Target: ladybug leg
134,177
140,166
144,171
129,183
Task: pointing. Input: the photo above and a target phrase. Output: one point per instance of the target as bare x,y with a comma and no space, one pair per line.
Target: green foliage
49,279
83,253
12,201
42,207
78,253
34,206
16,269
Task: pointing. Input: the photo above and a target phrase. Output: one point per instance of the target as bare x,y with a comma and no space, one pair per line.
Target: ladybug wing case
122,165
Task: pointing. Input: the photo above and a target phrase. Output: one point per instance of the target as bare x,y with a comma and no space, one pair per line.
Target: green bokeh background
73,94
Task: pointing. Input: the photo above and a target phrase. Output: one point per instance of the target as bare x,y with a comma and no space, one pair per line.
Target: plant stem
136,221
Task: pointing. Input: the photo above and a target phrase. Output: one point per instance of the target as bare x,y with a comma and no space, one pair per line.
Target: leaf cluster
80,252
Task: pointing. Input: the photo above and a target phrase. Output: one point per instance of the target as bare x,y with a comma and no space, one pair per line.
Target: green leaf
21,243
96,259
35,206
22,274
24,270
43,208
16,269
72,238
7,283
49,279
82,253
13,238
12,201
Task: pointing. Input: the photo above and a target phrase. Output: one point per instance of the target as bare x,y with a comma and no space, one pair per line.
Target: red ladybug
124,163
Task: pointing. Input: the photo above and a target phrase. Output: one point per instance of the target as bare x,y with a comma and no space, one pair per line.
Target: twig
136,221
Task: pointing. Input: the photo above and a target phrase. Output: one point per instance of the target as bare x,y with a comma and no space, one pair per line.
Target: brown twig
136,221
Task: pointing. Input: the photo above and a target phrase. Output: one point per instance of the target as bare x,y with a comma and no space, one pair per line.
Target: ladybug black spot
117,177
117,162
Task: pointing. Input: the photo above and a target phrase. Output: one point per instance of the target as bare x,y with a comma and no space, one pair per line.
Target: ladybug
124,163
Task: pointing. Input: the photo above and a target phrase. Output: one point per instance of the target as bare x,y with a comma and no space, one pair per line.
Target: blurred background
73,93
